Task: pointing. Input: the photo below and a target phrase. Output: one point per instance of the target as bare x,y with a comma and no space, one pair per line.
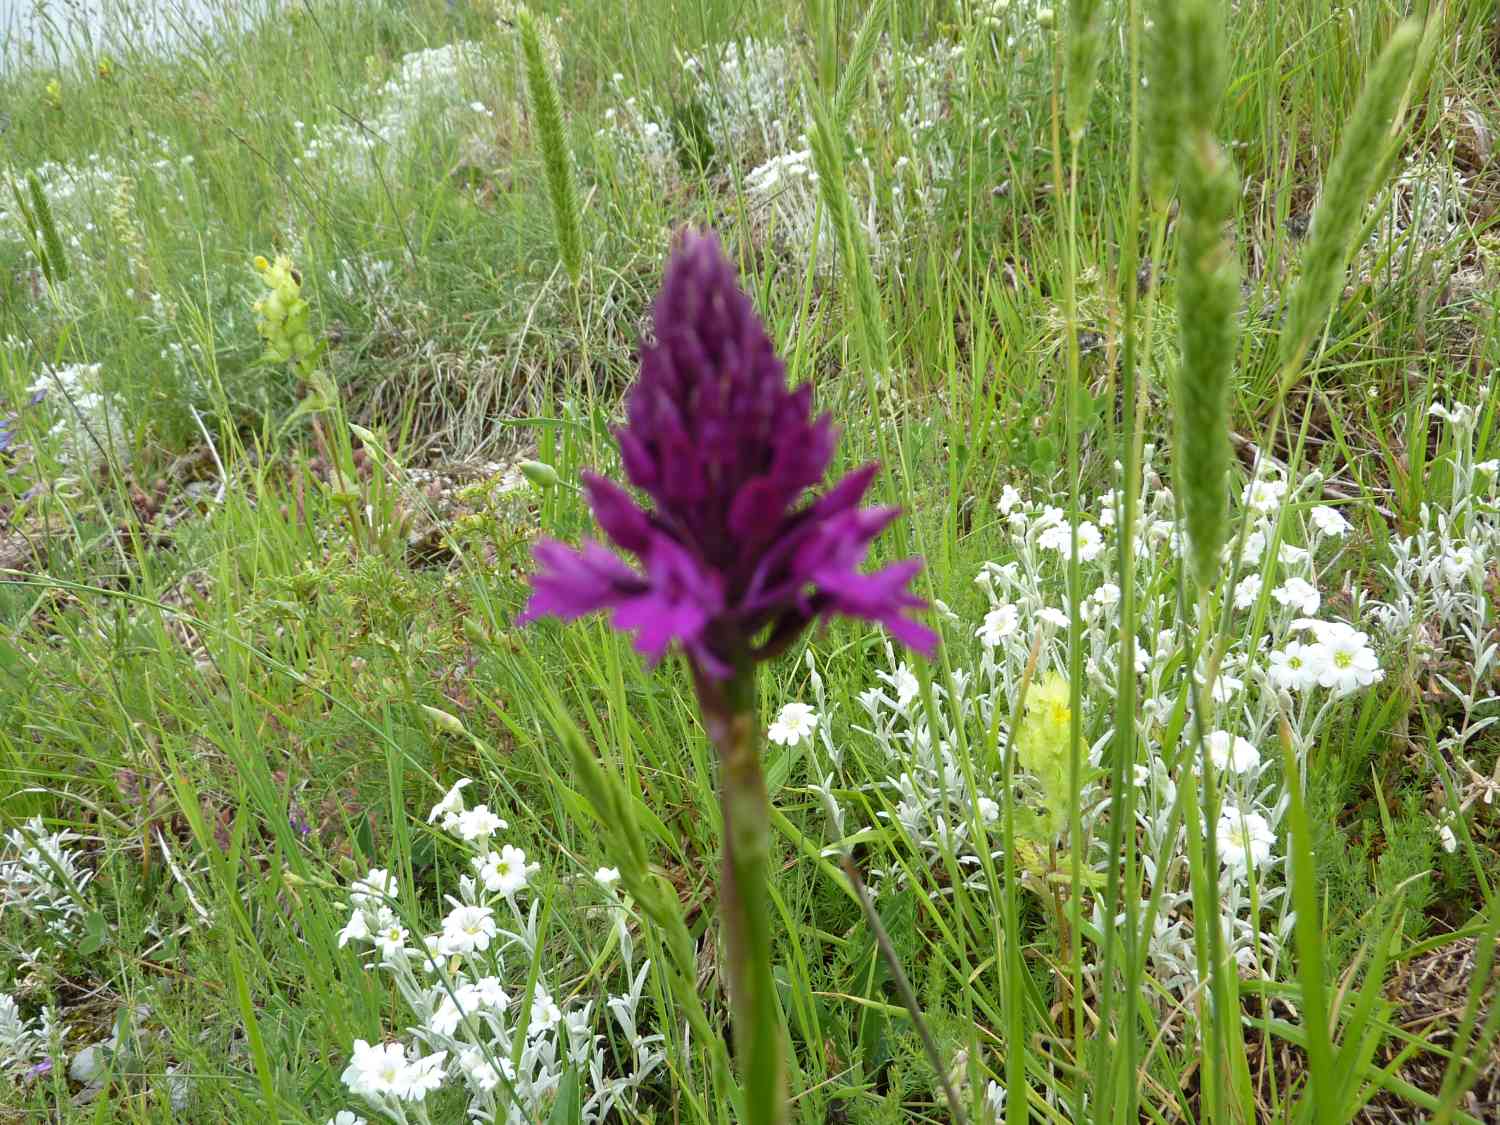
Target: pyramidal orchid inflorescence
735,561
733,566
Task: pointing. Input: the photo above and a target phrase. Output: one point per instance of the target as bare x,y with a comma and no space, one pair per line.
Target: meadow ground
306,338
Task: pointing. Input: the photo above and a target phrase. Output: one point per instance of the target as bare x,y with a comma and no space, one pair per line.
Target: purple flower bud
734,565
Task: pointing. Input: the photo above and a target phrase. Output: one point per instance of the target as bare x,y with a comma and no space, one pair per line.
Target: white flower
503,872
374,1071
906,685
1264,496
1291,554
607,877
420,1077
1247,591
1106,596
1009,498
999,623
346,1117
479,1070
1460,417
1231,752
1255,546
1054,617
1344,660
1458,563
1447,839
390,939
450,806
545,1014
1328,521
1489,468
487,993
478,823
988,810
1298,594
795,723
1059,537
1226,687
374,888
357,929
1244,838
467,929
1290,669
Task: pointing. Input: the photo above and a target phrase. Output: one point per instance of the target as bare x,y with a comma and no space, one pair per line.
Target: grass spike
556,159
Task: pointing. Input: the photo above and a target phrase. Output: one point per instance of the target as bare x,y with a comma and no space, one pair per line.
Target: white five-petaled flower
1059,537
1328,521
447,810
1264,495
1232,752
1009,498
999,623
1341,658
375,1072
390,938
795,723
421,1077
478,823
1289,668
1298,594
607,877
503,872
1244,838
467,929
357,928
1247,591
545,1014
346,1117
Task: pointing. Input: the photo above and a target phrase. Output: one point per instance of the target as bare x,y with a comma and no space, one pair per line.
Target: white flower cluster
509,1051
638,130
41,877
433,88
1278,662
80,195
88,427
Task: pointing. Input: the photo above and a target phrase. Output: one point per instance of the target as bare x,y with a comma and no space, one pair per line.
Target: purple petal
572,583
618,514
881,597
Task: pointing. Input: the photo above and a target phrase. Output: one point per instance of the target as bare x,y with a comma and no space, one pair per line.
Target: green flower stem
744,905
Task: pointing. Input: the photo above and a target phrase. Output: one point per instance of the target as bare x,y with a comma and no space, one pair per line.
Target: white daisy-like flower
1247,591
1059,537
467,929
450,806
999,623
374,1072
545,1014
1009,498
478,823
794,724
1290,668
479,1070
1345,662
1264,496
1231,752
1244,838
607,877
1328,521
346,1117
421,1077
1298,594
503,872
390,938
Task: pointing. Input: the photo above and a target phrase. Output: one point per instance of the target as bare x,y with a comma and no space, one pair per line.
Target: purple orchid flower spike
733,565
735,561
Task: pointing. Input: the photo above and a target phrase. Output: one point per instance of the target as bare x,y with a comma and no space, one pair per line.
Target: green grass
219,640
